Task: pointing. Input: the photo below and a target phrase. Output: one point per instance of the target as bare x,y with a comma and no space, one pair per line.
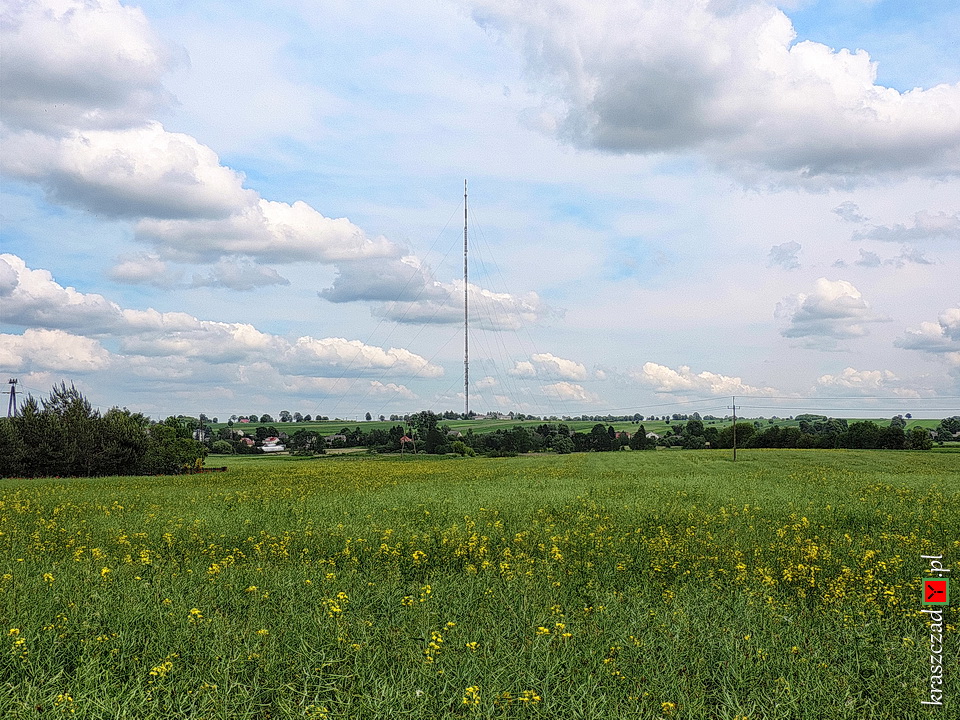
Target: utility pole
734,407
12,406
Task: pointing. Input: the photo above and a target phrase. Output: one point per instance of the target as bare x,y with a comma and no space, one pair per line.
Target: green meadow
595,585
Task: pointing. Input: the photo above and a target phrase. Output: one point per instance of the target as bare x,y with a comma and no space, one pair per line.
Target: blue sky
247,207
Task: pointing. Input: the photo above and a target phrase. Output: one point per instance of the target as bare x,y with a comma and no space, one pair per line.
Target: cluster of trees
813,431
64,436
285,416
431,436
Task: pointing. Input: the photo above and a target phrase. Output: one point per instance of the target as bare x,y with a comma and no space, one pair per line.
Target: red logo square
936,591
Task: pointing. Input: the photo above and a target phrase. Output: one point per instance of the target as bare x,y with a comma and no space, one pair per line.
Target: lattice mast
12,406
466,317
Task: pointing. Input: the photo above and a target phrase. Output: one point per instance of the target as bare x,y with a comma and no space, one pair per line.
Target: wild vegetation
601,585
64,436
427,432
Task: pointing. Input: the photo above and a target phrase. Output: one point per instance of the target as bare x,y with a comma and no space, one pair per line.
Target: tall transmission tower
466,322
12,407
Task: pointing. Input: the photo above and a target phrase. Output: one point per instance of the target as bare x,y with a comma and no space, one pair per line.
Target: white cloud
683,380
237,275
868,259
926,226
9,274
108,155
352,357
143,269
942,336
150,320
835,310
213,342
785,255
53,350
942,339
849,211
387,279
523,368
442,303
81,81
32,297
564,391
727,79
140,172
80,64
265,230
863,382
547,365
908,255
338,387
390,391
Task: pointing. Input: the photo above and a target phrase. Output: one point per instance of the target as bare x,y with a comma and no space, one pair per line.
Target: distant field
600,585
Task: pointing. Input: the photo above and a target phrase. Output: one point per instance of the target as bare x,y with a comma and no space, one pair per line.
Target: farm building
272,444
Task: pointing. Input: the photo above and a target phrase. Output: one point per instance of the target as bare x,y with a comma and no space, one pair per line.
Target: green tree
863,435
78,422
305,441
44,436
600,439
424,421
125,442
919,438
694,427
172,450
12,449
562,444
223,447
947,427
434,441
893,437
725,436
461,448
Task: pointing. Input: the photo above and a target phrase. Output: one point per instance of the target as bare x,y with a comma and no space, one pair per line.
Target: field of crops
602,585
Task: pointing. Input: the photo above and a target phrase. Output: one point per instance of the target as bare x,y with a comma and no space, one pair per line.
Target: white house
272,445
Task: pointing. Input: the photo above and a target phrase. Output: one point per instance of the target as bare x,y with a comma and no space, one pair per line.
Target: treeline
426,434
63,436
812,432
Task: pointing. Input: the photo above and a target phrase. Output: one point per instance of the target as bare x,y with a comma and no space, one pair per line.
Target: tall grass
615,585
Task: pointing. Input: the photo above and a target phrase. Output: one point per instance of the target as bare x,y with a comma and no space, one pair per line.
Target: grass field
602,585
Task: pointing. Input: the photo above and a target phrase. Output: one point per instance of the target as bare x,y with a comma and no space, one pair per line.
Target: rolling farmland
600,585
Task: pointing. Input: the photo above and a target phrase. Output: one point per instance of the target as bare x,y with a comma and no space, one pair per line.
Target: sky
248,207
